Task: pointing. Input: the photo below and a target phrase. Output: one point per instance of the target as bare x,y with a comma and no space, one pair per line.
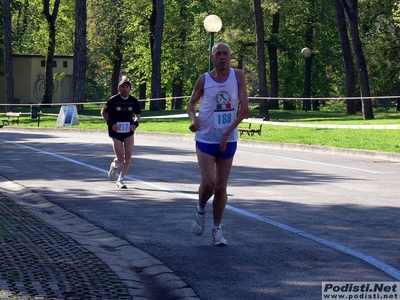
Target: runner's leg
206,188
118,150
127,158
223,168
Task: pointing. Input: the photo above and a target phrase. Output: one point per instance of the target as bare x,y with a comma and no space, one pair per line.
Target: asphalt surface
49,253
57,250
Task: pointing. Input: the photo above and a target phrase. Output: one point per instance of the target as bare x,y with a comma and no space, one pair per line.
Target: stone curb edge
262,144
138,270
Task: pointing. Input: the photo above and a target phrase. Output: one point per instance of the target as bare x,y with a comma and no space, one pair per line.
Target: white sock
201,210
217,226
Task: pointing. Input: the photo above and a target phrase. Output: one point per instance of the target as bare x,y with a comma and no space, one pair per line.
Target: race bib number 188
223,118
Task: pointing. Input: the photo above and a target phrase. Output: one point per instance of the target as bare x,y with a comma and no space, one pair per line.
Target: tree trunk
8,58
142,92
117,62
273,61
177,85
117,51
352,14
347,59
262,73
51,22
80,63
307,83
308,63
177,92
157,33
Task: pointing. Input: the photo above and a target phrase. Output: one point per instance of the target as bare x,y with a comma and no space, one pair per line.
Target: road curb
143,275
273,145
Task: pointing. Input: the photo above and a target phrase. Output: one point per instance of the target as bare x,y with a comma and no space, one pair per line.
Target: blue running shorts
213,149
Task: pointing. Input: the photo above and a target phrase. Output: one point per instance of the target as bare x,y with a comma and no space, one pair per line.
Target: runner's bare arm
192,104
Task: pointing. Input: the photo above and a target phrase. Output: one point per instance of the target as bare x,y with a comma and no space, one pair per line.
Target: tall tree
117,52
273,60
381,33
80,62
8,55
107,21
347,59
51,23
260,49
309,41
157,26
177,84
352,12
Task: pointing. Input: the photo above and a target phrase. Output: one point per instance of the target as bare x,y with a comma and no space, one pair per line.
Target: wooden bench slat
251,131
14,115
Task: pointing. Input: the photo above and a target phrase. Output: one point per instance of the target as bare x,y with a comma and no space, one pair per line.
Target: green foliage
382,46
30,32
185,45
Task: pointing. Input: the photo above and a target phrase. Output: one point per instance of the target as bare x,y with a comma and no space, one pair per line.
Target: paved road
295,217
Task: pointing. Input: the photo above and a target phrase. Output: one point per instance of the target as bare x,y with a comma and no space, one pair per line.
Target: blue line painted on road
369,259
395,273
96,168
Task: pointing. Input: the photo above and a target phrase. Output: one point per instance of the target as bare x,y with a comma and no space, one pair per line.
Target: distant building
29,79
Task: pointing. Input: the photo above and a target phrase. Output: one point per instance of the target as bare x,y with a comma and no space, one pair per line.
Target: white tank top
218,109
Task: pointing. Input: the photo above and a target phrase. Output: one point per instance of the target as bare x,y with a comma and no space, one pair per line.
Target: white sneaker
198,223
112,174
217,238
121,184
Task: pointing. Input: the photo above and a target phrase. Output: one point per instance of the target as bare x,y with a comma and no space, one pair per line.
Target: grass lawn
384,140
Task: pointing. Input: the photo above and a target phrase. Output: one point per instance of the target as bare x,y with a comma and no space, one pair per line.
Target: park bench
12,117
252,130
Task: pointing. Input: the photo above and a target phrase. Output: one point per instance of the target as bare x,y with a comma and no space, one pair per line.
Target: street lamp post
212,24
307,54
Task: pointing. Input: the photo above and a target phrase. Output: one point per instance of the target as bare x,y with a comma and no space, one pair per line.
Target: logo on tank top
223,99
